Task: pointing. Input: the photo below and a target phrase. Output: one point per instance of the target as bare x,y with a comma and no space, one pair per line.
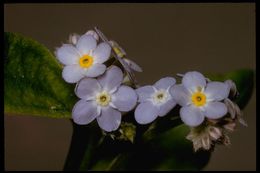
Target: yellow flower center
86,61
103,98
198,99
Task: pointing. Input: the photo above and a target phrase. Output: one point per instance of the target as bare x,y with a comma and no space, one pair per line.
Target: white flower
103,99
154,100
85,59
200,99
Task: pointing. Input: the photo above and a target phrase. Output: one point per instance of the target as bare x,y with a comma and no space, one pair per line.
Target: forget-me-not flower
103,99
200,99
85,59
155,100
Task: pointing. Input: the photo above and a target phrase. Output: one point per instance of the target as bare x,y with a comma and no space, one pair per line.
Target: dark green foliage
32,80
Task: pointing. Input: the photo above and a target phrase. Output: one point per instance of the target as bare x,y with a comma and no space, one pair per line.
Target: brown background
164,39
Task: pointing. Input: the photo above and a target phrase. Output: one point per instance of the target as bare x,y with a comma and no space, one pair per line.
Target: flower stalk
111,93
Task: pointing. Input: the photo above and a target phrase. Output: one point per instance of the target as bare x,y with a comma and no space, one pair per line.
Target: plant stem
82,142
75,153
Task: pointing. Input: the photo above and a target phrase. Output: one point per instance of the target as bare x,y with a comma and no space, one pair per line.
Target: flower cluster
102,95
215,130
107,90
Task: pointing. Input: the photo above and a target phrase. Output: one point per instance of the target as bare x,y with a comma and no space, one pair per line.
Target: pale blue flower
155,100
200,99
103,99
85,59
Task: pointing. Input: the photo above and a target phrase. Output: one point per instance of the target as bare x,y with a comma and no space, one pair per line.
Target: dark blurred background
164,39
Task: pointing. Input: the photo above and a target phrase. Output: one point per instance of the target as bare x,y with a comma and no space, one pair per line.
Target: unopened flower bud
226,140
231,108
118,49
127,131
233,89
126,80
73,38
230,126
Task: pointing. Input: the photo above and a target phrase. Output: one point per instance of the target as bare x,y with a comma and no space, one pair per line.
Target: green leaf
158,149
172,151
168,151
33,81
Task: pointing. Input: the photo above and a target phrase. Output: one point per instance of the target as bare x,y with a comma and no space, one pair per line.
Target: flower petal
191,116
84,112
72,73
217,91
67,54
95,70
180,94
93,33
111,79
146,112
165,83
86,43
166,107
133,65
124,98
144,93
193,80
215,110
110,119
87,88
102,53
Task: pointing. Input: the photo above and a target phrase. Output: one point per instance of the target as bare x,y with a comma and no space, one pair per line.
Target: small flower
154,100
126,132
85,59
235,114
214,131
116,53
204,136
200,99
233,109
103,99
121,54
